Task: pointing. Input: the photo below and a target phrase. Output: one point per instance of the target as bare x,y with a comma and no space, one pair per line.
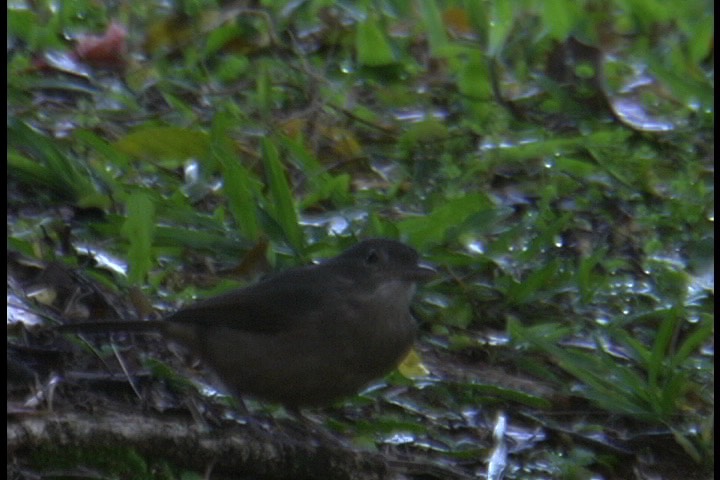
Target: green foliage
437,38
489,135
653,386
441,224
282,206
373,49
240,186
113,461
500,23
48,167
138,230
168,145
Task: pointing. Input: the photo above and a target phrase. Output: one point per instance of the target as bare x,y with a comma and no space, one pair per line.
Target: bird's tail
108,327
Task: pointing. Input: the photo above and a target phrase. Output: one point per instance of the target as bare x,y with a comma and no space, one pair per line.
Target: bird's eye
372,258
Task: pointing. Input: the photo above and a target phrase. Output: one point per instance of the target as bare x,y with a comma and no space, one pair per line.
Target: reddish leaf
108,50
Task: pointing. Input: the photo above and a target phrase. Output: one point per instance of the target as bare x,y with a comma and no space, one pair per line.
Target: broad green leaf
138,229
372,47
474,79
47,164
283,205
433,228
437,38
239,184
501,22
559,16
164,144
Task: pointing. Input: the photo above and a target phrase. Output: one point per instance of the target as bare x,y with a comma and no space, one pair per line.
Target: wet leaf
371,45
283,206
138,229
168,145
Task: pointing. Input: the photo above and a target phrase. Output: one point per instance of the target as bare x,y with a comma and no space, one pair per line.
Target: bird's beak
420,273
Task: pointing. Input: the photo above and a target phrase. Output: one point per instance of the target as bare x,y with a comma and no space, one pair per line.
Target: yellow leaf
412,366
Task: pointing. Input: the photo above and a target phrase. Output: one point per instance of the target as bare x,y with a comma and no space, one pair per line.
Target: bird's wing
267,307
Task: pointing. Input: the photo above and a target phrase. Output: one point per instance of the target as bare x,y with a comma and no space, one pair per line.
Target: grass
554,160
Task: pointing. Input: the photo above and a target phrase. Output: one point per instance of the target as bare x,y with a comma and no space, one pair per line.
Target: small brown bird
306,336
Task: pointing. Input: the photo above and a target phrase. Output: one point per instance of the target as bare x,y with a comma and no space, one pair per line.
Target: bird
305,337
